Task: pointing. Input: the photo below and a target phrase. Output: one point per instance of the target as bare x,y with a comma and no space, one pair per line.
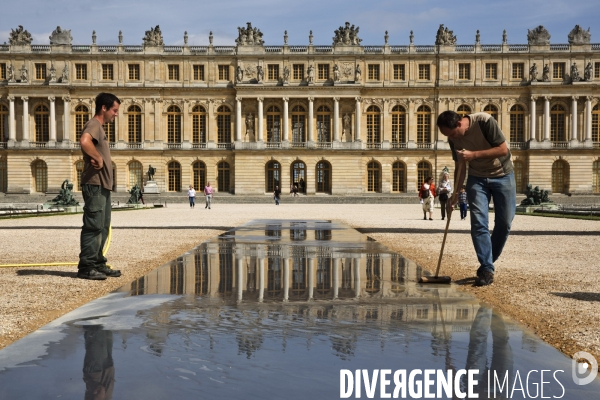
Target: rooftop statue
347,35
19,37
61,37
249,36
445,36
538,36
154,37
579,36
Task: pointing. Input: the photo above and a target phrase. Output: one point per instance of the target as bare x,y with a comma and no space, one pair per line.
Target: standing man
476,139
96,185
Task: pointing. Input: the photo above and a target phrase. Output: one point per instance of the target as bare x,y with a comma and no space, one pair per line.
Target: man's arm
87,145
494,152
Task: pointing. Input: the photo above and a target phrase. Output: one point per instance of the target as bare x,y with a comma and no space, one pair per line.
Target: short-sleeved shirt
483,133
208,190
90,175
191,193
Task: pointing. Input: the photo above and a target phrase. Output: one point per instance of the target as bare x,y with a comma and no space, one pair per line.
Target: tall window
78,172
81,71
398,124
199,169
299,175
558,70
323,177
595,177
3,175
134,124
40,71
374,177
298,72
42,125
373,72
464,71
560,177
463,110
173,72
2,71
596,123
517,70
134,72
273,72
424,72
223,177
174,169
517,124
557,124
519,176
107,72
40,176
491,71
173,124
109,131
298,124
273,124
223,72
492,110
323,124
323,71
399,72
223,125
596,70
272,176
3,123
423,171
398,177
423,124
135,174
198,72
82,115
198,125
373,125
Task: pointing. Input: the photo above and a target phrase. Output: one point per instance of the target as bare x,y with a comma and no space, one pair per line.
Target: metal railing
560,145
135,145
173,145
198,145
398,145
225,146
373,145
38,144
273,145
423,145
323,145
298,145
518,145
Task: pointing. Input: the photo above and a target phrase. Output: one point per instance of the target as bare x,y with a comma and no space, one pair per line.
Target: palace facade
339,119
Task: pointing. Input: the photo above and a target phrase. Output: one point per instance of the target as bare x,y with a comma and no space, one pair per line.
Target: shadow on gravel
66,274
465,281
585,296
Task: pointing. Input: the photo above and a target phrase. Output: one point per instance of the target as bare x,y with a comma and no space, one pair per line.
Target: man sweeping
477,139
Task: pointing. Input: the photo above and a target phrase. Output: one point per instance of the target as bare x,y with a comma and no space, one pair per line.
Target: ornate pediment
538,36
249,36
346,36
579,35
19,37
61,37
445,37
154,37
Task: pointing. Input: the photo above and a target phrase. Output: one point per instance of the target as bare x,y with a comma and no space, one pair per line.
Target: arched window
82,115
398,124
299,175
557,124
423,125
272,176
298,124
373,125
519,176
3,175
596,123
42,124
323,177
273,124
134,124
223,125
223,177
136,173
174,169
423,171
78,171
40,176
560,177
173,124
109,131
517,124
198,125
3,123
492,110
199,169
374,177
463,110
323,124
595,176
398,177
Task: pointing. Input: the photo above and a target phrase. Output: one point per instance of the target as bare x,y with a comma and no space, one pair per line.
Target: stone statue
538,36
336,73
151,172
64,78
579,35
24,74
153,37
286,74
136,195
239,74
10,73
477,37
533,73
285,38
65,196
346,35
249,36
19,37
504,37
310,74
546,73
249,124
120,37
259,74
52,74
587,73
574,73
61,37
445,37
357,73
347,120
411,37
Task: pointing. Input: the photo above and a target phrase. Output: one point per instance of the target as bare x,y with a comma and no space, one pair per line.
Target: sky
273,17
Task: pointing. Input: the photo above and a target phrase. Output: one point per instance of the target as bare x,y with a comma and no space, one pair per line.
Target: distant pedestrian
427,196
208,194
444,191
291,189
295,190
276,195
192,196
463,202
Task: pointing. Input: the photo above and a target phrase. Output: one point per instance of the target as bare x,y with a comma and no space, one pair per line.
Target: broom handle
437,271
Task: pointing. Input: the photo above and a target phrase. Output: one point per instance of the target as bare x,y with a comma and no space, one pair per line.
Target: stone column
336,119
259,125
310,122
67,119
52,138
26,118
285,125
588,121
336,277
286,279
239,278
238,119
546,118
574,118
532,119
261,279
357,120
311,278
356,276
12,131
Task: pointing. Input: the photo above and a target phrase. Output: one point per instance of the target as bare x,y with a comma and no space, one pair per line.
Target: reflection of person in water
98,368
502,358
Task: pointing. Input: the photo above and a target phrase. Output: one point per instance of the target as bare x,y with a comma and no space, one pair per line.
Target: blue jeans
463,210
192,198
479,192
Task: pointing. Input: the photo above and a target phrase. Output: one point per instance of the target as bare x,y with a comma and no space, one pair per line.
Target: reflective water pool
285,309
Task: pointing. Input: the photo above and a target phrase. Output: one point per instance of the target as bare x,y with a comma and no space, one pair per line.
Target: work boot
113,273
484,279
91,274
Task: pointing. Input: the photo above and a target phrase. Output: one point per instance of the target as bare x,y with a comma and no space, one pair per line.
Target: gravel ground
548,276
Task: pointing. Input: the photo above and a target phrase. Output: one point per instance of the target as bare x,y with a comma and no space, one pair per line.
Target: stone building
338,119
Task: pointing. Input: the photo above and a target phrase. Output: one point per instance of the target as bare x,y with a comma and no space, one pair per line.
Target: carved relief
579,35
445,36
347,70
538,36
347,35
372,102
250,71
249,36
19,37
61,37
153,37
